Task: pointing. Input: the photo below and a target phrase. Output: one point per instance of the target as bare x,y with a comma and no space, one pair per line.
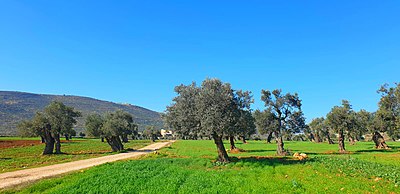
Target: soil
18,143
21,143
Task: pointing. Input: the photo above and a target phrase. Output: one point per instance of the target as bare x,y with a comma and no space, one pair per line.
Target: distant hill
18,106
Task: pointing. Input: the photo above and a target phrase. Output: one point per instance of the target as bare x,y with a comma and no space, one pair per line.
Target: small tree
246,125
316,127
266,123
93,125
242,120
320,131
282,109
340,120
378,125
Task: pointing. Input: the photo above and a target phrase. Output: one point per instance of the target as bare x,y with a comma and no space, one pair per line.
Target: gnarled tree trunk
49,143
58,143
102,139
115,143
280,151
222,155
330,141
232,142
341,141
66,137
269,137
317,139
42,140
379,141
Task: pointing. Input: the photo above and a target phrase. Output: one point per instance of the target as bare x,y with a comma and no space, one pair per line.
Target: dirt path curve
10,179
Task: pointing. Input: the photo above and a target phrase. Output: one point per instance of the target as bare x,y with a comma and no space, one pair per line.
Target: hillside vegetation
18,106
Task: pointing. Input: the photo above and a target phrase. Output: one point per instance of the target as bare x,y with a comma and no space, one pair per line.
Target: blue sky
137,51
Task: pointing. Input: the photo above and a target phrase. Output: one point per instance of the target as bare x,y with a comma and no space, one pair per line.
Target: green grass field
19,158
189,167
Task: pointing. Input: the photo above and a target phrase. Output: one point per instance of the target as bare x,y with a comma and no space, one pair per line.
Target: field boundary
10,179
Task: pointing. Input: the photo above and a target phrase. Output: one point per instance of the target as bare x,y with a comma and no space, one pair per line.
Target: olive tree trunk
58,143
316,138
66,137
280,150
222,155
269,137
328,136
115,143
379,141
341,141
232,142
244,140
49,143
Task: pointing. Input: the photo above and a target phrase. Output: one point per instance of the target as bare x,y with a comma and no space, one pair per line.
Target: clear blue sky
137,51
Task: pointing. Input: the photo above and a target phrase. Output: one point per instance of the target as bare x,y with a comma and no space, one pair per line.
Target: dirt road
10,179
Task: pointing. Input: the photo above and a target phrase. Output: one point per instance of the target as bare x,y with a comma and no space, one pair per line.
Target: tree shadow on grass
69,142
267,150
270,161
377,150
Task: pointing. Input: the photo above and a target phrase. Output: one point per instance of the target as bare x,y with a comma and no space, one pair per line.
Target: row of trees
215,110
58,120
344,121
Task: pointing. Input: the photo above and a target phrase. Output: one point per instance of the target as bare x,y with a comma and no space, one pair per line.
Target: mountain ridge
16,106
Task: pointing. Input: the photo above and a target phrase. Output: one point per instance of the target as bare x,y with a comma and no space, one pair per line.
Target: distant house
166,133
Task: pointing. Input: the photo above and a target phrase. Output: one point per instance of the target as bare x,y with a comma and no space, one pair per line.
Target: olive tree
212,109
114,127
241,117
266,123
62,119
387,118
56,119
283,110
93,125
340,120
182,115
